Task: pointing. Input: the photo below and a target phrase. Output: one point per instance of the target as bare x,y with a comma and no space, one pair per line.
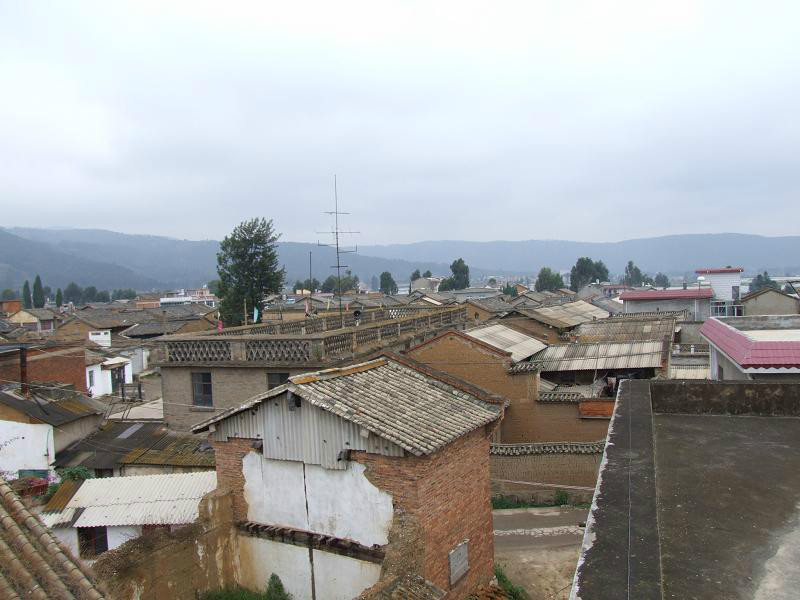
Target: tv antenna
336,232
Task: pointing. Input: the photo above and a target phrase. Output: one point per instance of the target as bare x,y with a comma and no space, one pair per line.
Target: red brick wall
448,494
56,366
526,419
228,458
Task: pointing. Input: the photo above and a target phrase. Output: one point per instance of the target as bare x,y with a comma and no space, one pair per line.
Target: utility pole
310,277
336,232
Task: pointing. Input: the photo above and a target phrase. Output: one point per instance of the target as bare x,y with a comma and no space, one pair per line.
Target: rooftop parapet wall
311,341
726,398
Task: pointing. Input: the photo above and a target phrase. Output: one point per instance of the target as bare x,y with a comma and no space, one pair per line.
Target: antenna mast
336,232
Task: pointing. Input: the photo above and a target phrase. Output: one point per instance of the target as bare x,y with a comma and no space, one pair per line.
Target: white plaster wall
69,536
128,373
119,535
25,446
102,381
345,504
265,557
339,577
275,491
329,501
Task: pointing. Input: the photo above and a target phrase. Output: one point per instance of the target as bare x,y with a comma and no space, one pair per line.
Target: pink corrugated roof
688,293
749,353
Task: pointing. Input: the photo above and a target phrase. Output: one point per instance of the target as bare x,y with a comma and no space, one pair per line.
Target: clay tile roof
412,407
34,564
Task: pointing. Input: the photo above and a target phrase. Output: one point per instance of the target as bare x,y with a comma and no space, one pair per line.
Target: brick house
210,372
347,480
485,365
43,364
37,320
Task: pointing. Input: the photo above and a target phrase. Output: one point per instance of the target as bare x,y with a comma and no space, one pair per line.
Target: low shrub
514,592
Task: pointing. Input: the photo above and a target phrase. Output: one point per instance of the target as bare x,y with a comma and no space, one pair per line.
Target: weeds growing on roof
275,591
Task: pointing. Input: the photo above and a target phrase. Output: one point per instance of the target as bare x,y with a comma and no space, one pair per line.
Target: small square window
276,379
201,389
92,541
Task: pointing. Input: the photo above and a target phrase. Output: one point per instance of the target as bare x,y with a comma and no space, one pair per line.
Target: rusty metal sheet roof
173,450
64,494
568,314
600,355
626,330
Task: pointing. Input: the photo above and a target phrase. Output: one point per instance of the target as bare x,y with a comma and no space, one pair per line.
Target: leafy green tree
298,286
213,286
329,285
374,284
102,296
74,473
633,275
9,294
89,294
27,300
275,589
59,298
510,290
762,281
427,274
585,271
247,264
73,293
548,280
38,293
492,282
661,281
388,285
415,275
459,280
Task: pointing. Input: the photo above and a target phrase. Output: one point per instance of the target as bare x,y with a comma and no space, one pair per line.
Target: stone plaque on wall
459,562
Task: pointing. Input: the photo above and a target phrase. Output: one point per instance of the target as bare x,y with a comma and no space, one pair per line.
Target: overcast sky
590,121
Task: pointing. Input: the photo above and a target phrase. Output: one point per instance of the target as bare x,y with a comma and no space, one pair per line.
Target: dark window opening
92,541
100,473
276,379
201,389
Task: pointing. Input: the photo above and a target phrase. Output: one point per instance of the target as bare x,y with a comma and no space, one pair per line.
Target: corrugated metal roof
50,410
600,355
520,345
626,330
730,334
138,500
400,404
173,450
568,314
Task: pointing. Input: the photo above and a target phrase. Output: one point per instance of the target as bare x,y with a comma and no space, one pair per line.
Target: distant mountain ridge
109,260
672,254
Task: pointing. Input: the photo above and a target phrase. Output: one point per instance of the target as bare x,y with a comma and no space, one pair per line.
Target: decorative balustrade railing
690,349
308,341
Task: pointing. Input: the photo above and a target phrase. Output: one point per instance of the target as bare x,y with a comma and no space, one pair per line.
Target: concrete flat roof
698,495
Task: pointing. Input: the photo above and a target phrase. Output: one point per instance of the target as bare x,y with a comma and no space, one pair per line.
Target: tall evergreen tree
388,285
27,300
38,293
59,298
247,264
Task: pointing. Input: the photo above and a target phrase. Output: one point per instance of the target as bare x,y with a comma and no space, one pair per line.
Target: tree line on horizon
38,295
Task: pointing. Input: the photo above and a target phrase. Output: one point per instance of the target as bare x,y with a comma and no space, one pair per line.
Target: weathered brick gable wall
447,495
59,368
230,475
526,419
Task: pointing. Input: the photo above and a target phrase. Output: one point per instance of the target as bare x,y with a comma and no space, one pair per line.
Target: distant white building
726,283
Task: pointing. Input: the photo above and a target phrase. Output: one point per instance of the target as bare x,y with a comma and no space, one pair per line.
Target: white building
96,515
105,375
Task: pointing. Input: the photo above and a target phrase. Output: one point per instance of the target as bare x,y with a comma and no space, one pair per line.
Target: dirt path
539,547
